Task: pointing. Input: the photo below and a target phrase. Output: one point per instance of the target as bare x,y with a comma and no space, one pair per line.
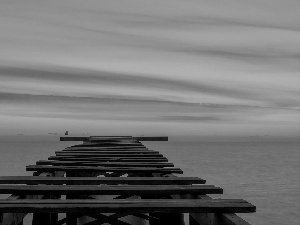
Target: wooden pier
114,180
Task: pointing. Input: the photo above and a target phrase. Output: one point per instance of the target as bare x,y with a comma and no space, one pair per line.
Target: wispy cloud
186,118
81,76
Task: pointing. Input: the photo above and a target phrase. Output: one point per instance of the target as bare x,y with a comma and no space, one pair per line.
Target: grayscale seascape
219,78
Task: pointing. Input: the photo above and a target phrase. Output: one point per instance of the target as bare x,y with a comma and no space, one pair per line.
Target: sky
171,67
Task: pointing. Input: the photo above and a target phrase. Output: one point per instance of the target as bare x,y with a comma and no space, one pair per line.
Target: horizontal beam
127,206
105,149
109,159
103,169
109,144
107,156
101,180
151,138
112,148
123,143
74,138
99,154
110,152
105,164
99,138
109,189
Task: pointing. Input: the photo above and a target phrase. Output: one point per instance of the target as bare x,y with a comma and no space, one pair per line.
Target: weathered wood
108,155
42,218
103,169
114,156
167,218
10,218
99,138
105,164
213,218
118,143
151,138
71,218
113,148
99,148
111,152
112,143
128,206
109,159
109,189
108,149
101,180
74,138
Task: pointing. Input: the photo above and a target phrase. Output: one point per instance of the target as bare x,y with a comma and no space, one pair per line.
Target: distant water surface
266,174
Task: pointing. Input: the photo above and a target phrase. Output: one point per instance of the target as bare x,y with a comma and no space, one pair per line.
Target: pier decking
114,180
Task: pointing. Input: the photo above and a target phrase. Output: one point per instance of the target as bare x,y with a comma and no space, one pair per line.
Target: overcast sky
176,67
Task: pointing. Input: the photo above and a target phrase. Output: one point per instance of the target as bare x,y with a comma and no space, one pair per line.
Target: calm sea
266,174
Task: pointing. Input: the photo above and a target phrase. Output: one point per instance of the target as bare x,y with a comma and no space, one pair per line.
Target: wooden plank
103,139
113,143
99,138
114,148
101,180
109,189
103,169
74,138
163,138
109,159
151,138
110,152
120,143
115,156
128,206
108,146
92,154
109,164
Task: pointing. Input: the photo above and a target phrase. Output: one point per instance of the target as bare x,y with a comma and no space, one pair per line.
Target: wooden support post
213,218
17,218
166,218
192,221
71,217
44,218
41,218
12,218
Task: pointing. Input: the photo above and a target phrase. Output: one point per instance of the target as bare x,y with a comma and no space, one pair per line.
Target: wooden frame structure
114,180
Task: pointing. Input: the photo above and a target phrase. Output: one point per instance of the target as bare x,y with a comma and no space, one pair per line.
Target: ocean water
264,173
